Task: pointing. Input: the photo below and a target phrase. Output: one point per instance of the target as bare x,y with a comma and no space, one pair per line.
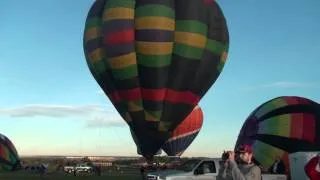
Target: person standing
277,167
142,171
245,170
224,172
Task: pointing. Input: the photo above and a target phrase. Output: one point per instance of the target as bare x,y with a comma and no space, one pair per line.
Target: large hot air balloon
155,60
136,141
184,134
280,126
9,159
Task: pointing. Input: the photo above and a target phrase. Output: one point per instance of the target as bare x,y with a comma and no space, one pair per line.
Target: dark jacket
281,169
239,172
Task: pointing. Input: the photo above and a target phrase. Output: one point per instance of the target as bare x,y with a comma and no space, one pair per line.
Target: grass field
120,175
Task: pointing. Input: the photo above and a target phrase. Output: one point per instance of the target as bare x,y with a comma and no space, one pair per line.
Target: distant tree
162,159
87,161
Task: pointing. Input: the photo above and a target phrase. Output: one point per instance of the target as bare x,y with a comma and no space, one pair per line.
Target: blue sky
51,105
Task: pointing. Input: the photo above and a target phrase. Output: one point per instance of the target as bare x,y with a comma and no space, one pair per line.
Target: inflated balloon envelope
184,135
136,141
155,60
281,126
9,158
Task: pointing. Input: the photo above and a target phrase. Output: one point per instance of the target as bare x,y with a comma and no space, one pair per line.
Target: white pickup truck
199,169
68,169
83,168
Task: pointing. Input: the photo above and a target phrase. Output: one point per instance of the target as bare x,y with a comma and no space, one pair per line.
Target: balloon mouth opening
150,143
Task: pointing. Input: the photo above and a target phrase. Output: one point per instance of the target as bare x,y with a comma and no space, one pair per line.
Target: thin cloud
289,85
281,84
11,81
94,115
54,110
109,121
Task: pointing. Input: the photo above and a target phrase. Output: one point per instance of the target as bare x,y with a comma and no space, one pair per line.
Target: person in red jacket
312,168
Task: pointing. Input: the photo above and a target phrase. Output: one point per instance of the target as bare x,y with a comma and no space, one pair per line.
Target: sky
50,103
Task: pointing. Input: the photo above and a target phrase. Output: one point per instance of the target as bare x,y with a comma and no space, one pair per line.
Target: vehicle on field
199,169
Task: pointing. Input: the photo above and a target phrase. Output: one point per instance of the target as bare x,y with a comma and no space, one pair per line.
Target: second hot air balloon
185,133
9,158
282,125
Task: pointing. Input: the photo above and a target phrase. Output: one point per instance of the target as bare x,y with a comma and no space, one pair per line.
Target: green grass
125,175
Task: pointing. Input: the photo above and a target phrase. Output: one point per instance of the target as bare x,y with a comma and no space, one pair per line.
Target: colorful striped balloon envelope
9,159
280,126
155,60
184,134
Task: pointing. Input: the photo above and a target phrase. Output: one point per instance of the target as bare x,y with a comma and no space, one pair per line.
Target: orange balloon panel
185,133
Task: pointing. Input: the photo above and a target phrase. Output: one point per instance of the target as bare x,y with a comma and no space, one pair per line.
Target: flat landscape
126,174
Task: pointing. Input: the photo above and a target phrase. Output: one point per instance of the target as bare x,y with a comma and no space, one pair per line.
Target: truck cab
83,168
194,169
